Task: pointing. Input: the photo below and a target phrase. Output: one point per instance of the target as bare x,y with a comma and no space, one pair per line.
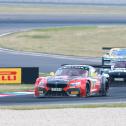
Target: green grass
76,41
15,87
38,107
35,36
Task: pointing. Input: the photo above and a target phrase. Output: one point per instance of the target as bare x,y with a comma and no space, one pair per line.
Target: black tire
87,89
104,87
111,79
102,61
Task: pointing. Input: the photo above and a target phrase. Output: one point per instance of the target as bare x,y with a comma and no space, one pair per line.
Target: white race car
118,71
113,54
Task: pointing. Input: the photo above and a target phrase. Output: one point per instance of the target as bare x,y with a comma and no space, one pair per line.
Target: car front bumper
69,92
118,76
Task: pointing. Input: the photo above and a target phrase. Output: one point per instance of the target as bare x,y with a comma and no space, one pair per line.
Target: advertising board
10,75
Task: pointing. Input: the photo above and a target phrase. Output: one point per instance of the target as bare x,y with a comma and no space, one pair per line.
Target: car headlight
75,84
41,83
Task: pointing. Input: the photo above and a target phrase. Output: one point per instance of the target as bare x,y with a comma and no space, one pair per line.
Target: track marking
8,51
6,94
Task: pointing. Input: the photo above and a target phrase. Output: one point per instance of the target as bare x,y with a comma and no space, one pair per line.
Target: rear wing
102,66
108,48
99,68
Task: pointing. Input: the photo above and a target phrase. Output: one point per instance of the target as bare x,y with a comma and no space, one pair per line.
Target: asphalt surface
64,19
9,58
116,95
45,62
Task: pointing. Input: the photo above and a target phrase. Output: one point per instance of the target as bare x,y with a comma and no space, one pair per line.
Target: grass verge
19,87
15,87
77,41
32,107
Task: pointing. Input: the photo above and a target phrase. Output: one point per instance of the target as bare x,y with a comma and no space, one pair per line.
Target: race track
46,62
116,95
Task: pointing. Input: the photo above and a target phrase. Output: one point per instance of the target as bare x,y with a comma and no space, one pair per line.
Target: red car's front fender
83,87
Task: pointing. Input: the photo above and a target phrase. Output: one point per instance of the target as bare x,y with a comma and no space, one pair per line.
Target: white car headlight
75,84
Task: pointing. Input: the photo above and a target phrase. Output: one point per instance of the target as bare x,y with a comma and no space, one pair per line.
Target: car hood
62,78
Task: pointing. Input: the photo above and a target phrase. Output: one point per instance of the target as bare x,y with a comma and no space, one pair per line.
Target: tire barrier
17,75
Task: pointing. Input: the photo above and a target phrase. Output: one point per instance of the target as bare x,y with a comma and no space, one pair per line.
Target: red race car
72,80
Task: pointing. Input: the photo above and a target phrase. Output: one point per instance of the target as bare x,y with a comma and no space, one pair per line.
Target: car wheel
111,79
87,89
36,94
104,87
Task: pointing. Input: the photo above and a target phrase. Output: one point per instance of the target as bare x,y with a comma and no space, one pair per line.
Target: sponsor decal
10,75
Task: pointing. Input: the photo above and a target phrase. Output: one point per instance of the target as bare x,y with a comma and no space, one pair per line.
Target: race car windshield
71,72
120,64
119,52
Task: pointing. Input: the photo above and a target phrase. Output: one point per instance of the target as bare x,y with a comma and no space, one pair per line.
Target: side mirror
101,72
107,53
52,73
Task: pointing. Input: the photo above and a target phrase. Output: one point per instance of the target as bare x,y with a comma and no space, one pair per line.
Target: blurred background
69,1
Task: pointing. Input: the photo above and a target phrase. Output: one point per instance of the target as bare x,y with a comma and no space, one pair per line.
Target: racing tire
36,96
87,89
111,79
102,61
104,87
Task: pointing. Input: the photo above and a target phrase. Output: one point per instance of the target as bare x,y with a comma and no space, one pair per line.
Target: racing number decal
93,83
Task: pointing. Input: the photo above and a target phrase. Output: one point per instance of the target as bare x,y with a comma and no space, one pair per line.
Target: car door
95,81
